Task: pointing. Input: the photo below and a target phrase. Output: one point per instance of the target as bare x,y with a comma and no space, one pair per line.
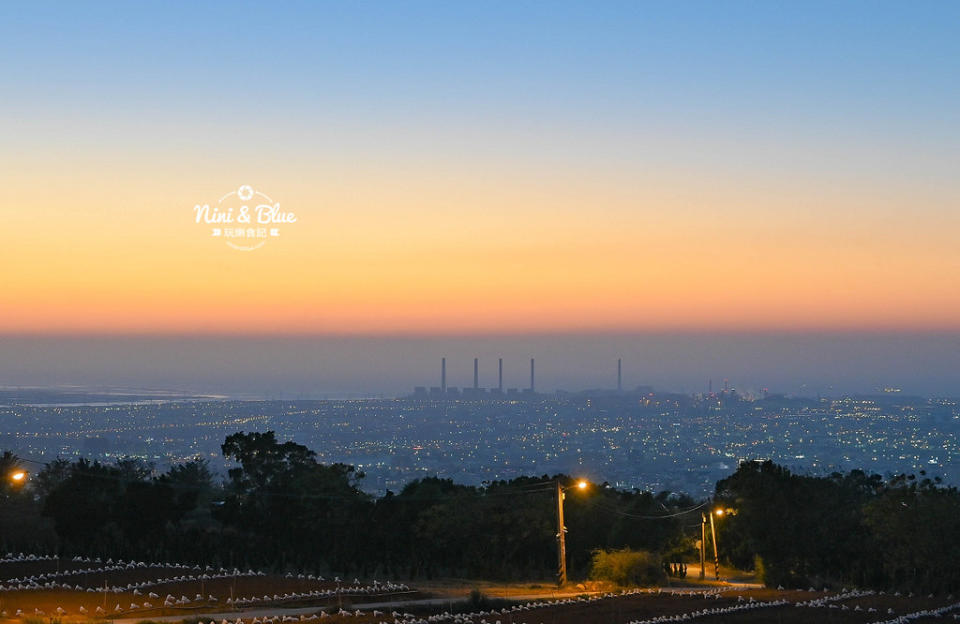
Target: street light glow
582,484
18,476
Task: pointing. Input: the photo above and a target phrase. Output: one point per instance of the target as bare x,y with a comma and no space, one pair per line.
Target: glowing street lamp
718,512
561,532
18,476
713,531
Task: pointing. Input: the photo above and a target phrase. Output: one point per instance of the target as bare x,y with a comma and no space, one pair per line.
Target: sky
481,169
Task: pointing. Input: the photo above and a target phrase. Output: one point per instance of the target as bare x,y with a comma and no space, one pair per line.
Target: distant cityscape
634,438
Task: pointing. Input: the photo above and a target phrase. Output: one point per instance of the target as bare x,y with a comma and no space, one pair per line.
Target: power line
645,517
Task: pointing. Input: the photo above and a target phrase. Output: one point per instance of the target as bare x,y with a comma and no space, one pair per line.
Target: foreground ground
35,592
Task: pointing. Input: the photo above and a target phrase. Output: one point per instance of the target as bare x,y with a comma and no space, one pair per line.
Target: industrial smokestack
476,373
500,377
443,375
533,386
619,375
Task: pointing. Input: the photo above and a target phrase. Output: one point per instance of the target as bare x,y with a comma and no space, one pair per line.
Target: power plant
476,391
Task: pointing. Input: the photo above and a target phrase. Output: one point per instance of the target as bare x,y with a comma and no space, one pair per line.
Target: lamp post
718,512
703,544
561,534
713,531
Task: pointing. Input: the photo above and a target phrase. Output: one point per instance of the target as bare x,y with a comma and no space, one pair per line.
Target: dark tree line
281,509
852,528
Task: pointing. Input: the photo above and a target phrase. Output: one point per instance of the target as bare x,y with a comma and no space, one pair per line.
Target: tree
915,525
806,529
286,503
193,490
51,477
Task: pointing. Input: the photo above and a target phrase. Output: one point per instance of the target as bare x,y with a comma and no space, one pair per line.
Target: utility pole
561,541
716,557
703,544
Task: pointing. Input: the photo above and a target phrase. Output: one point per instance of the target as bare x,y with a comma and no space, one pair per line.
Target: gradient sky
612,169
482,167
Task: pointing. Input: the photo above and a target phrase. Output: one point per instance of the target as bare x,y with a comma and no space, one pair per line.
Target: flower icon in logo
245,192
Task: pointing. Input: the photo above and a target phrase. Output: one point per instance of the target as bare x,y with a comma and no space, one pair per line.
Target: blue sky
742,56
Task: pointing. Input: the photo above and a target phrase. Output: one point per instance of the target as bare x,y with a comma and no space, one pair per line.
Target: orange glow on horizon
453,254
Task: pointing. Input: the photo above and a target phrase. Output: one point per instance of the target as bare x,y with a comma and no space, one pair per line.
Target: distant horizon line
722,331
173,395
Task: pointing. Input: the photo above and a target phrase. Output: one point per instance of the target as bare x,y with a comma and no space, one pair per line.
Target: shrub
759,569
626,567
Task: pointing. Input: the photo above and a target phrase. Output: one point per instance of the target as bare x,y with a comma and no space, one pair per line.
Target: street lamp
713,531
718,512
703,545
561,532
12,481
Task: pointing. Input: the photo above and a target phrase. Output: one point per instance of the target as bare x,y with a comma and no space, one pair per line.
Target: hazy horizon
317,366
